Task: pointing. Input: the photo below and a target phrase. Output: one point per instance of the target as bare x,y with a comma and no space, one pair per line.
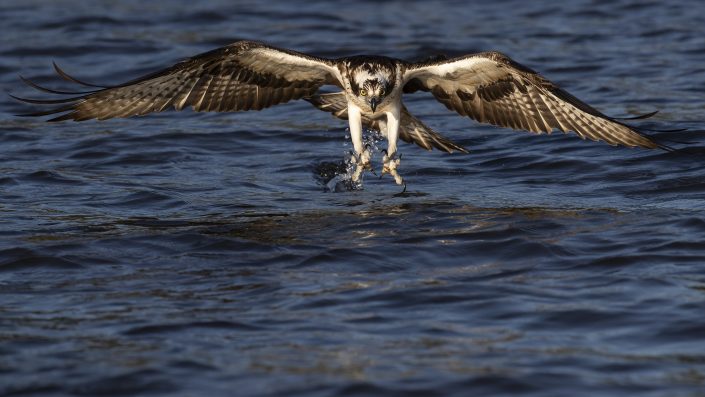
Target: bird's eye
363,92
381,92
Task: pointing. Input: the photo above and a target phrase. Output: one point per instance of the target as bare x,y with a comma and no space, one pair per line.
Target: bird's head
371,86
373,92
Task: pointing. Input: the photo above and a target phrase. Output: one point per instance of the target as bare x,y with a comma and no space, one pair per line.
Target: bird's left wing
241,76
492,88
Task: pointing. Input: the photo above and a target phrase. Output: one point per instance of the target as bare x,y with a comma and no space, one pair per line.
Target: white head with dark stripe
371,80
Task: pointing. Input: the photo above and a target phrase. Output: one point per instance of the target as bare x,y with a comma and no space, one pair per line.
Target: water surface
191,254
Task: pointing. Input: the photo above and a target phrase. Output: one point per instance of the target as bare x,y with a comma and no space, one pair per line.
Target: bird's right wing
241,76
411,129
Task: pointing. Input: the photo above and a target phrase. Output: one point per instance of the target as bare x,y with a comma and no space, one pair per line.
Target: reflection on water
184,253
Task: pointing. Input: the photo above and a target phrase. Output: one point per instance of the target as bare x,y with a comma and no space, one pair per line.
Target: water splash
337,176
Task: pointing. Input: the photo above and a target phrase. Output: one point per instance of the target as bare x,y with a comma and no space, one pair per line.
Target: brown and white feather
245,75
491,88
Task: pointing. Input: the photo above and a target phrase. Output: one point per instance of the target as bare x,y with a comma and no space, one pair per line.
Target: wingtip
16,97
45,101
638,117
49,90
664,147
72,79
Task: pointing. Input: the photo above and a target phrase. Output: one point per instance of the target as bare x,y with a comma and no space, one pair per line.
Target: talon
400,194
390,164
356,175
362,162
397,178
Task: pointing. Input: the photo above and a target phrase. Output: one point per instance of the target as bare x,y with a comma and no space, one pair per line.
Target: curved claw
362,163
400,194
397,178
390,165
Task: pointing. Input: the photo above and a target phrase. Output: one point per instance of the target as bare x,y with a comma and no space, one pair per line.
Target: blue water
185,254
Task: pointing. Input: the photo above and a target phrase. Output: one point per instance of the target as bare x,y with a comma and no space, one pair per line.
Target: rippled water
198,254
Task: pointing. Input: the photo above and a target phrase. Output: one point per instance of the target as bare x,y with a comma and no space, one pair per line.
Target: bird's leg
391,161
390,164
361,158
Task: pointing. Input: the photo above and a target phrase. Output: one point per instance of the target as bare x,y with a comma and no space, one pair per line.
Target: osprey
488,87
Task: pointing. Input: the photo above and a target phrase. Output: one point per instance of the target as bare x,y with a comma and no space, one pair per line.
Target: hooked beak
373,104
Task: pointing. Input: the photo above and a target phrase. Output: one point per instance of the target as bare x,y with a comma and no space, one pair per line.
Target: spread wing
241,76
491,88
411,129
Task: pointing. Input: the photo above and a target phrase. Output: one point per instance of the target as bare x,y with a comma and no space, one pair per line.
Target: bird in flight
488,87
